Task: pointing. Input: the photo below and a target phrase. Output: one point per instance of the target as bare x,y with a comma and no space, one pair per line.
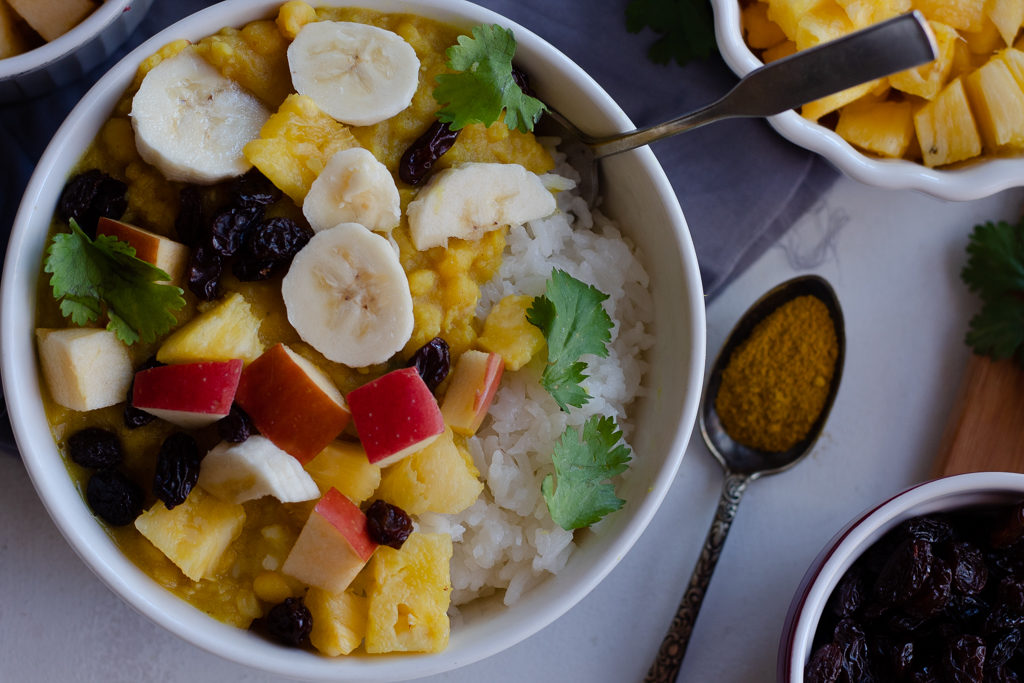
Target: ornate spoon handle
670,656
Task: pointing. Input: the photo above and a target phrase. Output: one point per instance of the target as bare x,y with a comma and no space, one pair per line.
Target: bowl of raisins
927,586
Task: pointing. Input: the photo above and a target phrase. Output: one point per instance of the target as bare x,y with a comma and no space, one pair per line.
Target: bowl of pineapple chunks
953,128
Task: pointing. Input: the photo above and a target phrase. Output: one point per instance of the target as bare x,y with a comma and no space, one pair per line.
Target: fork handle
670,656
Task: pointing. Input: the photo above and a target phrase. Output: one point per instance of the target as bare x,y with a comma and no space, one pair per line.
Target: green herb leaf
574,323
484,87
995,269
580,498
89,275
687,28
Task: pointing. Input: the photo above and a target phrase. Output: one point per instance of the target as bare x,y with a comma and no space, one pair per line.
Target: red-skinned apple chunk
167,255
189,395
292,402
473,385
395,415
333,546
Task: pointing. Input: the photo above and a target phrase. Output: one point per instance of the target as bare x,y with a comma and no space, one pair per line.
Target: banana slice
353,188
192,123
471,199
348,297
358,74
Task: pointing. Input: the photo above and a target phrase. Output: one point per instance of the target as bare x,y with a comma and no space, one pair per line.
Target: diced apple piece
761,33
190,395
474,382
237,472
437,479
84,368
1008,16
226,331
11,42
52,18
826,105
827,22
167,255
343,466
788,13
509,334
292,402
409,596
964,15
395,416
194,534
998,104
946,128
339,621
927,80
333,546
885,128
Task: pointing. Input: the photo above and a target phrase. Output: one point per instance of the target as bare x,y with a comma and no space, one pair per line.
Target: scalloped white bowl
975,180
636,192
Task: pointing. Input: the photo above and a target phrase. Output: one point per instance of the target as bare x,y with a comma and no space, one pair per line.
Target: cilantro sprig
687,28
484,86
88,275
995,270
580,498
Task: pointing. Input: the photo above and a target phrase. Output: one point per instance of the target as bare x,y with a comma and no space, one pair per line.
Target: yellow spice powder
776,382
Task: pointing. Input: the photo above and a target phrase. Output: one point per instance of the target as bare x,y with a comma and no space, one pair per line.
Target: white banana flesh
353,188
348,296
472,199
237,472
358,74
192,123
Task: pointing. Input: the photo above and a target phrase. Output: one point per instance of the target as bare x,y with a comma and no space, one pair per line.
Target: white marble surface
894,259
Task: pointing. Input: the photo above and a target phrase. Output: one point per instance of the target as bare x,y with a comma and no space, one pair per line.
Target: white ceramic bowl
636,192
61,61
974,180
940,495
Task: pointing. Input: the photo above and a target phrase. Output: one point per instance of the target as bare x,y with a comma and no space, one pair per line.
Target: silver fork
880,50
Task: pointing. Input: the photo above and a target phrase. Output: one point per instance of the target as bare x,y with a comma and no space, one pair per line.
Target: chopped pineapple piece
227,331
339,621
194,534
827,22
255,58
509,334
52,18
11,42
884,128
1008,16
760,31
1014,59
946,128
781,50
927,80
437,479
984,41
866,12
963,60
998,105
788,13
965,15
409,596
271,587
826,105
343,465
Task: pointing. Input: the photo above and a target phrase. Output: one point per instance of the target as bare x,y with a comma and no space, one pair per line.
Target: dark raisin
113,497
422,154
1001,646
254,189
177,469
290,622
925,675
95,448
387,524
204,271
237,426
928,529
251,270
77,195
1000,674
229,227
523,81
850,638
825,666
1009,530
189,223
848,596
89,196
433,361
904,573
133,417
934,594
901,623
277,239
901,658
968,612
969,571
963,659
111,200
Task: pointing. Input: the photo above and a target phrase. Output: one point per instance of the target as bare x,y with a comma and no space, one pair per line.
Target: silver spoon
880,50
742,464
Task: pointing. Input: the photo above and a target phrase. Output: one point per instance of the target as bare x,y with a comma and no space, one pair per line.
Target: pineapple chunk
254,57
295,145
409,596
963,61
760,31
437,479
343,466
1008,16
509,334
194,534
781,50
965,15
885,128
984,41
788,13
864,13
339,621
827,22
998,104
11,42
52,18
826,105
927,80
227,331
946,128
1014,59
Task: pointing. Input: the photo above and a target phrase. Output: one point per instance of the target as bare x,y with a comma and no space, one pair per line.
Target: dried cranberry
433,361
1001,646
229,228
237,426
904,573
277,239
254,189
95,448
825,665
133,417
387,524
290,622
963,659
113,497
204,271
89,196
848,596
189,223
422,154
251,270
1010,529
177,469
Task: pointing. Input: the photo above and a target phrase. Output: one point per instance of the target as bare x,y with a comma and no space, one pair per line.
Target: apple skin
189,395
395,415
292,402
473,384
333,546
167,255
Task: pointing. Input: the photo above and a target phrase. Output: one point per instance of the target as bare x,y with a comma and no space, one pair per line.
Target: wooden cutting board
985,432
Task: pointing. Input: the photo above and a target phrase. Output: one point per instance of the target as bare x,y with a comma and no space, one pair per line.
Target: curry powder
777,381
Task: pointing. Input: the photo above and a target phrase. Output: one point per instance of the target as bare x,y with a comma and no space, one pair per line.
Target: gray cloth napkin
740,184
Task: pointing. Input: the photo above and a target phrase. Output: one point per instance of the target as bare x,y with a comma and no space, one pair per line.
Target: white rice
507,540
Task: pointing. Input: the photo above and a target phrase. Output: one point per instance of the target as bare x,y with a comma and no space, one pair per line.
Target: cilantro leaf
484,85
580,498
995,269
574,323
998,330
687,28
88,275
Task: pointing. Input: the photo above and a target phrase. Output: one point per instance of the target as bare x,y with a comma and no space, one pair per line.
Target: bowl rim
827,568
975,180
55,50
42,460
